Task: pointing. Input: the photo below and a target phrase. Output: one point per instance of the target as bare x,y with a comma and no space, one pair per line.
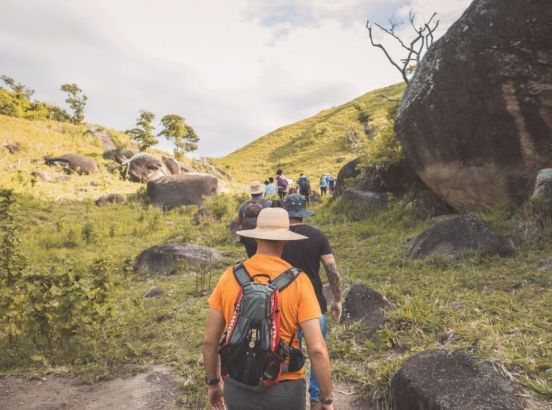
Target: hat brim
299,213
271,234
256,191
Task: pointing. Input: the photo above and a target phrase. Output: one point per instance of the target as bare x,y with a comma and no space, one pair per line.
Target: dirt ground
154,390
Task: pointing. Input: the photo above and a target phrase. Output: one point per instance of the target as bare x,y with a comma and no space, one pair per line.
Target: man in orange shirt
299,309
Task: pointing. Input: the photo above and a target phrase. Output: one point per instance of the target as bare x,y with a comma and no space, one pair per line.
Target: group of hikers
281,186
270,305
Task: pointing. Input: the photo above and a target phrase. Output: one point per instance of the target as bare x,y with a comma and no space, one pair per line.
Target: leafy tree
143,133
76,100
19,89
184,136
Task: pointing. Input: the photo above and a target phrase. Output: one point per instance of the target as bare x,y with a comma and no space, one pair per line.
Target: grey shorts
288,395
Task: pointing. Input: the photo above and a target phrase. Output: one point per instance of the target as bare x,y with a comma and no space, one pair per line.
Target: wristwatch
212,382
327,400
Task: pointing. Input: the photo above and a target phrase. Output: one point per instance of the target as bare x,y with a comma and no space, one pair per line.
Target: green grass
498,309
311,145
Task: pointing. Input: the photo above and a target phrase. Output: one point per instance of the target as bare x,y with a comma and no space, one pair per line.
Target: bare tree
414,50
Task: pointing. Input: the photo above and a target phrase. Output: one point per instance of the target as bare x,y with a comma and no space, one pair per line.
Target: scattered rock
203,215
12,148
206,166
110,199
145,167
104,137
153,292
120,156
366,305
175,167
456,235
483,147
63,178
543,184
43,175
185,189
166,259
349,170
75,163
546,265
315,197
365,198
440,380
234,226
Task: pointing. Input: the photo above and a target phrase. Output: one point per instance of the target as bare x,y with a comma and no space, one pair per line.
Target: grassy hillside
40,138
313,145
498,309
76,307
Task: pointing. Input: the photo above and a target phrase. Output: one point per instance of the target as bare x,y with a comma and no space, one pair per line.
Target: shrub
538,211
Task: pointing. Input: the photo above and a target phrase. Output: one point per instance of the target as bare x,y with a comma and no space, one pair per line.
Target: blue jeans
314,389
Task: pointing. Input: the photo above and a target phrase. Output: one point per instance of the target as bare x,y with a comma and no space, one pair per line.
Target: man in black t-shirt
307,255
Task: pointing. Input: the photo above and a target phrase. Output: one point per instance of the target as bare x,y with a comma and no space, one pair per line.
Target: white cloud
235,69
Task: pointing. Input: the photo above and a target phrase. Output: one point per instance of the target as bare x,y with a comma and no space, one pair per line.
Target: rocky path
153,390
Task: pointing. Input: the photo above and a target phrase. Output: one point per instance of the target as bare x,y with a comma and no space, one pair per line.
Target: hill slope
313,145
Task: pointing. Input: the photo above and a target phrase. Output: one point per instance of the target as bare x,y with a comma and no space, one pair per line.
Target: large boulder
349,170
118,155
167,259
184,189
75,163
366,305
175,167
145,167
104,137
456,235
476,120
441,380
543,184
398,179
368,199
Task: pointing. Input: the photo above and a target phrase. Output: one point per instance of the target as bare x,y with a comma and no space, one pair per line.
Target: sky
235,70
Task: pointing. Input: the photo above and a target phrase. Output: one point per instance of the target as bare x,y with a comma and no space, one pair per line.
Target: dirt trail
154,390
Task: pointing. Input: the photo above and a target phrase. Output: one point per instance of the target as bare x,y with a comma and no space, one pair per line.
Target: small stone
153,292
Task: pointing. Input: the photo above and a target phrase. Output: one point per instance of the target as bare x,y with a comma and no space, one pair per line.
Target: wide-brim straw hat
272,225
256,188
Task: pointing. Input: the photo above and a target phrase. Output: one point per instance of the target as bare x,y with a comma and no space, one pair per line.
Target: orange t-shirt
298,301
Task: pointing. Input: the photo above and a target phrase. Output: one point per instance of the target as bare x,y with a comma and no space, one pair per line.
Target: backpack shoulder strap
241,274
285,279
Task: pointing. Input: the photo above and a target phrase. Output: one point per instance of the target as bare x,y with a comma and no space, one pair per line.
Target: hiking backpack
252,352
251,213
304,184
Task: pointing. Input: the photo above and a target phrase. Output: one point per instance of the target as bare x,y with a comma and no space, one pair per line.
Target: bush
385,148
538,211
52,313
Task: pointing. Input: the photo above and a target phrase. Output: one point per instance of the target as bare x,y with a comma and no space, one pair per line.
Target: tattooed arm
334,279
